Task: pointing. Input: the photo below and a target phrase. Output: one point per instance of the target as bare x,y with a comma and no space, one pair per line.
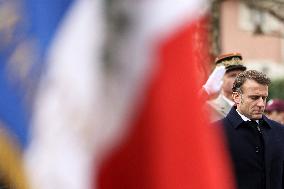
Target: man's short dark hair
254,75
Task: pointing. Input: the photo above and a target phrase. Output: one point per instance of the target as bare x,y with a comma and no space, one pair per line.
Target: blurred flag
14,73
111,83
165,140
27,28
60,152
48,69
16,88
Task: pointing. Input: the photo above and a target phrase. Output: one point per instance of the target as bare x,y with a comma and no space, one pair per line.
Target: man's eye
254,97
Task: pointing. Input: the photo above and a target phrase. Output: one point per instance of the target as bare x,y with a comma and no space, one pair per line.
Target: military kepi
231,61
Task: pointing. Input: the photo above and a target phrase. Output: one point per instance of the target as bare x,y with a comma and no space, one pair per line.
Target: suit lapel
266,134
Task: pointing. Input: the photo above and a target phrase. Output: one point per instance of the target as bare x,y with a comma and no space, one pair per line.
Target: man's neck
245,118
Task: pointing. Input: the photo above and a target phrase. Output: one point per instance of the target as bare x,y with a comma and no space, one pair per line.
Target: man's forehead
252,86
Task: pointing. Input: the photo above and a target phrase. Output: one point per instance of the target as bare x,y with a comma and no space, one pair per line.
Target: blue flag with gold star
26,31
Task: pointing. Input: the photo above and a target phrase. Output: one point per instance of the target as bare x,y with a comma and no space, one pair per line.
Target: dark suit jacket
253,169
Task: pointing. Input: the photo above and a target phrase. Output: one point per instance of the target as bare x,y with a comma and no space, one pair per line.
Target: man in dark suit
256,143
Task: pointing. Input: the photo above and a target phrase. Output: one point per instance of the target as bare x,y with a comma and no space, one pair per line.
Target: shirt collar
243,116
236,118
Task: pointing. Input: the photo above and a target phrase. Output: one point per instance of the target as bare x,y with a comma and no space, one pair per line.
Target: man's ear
236,97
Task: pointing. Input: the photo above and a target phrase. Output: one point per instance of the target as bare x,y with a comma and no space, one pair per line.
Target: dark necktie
255,125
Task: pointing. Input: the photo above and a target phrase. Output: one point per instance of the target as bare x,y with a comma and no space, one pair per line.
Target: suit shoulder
277,125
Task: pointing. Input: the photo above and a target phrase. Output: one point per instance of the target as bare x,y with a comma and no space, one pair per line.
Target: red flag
170,143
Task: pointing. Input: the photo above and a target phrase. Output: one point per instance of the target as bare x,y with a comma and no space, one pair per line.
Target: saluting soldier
232,63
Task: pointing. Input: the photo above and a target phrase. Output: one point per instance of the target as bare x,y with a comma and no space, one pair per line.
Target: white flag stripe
76,92
161,17
152,20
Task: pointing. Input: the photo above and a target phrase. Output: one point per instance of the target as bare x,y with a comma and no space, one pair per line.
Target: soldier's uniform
221,106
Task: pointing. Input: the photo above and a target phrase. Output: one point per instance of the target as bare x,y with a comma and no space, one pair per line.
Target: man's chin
257,116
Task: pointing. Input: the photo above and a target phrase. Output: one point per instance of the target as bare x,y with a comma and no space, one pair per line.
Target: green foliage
276,89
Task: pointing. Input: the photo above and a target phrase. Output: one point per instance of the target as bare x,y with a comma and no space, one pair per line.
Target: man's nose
261,102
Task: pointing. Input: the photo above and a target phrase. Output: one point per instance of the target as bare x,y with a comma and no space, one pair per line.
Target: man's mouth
258,112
